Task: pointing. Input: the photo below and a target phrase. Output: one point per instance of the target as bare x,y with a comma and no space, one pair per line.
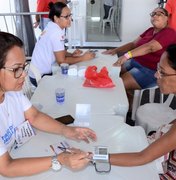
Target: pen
64,149
53,149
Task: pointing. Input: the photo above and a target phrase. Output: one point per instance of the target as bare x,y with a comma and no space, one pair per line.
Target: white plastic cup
54,68
60,95
64,68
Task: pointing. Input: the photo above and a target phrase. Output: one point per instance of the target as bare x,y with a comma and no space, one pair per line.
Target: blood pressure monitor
101,153
101,159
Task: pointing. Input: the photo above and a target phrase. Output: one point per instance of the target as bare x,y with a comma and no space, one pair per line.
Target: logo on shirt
62,38
8,134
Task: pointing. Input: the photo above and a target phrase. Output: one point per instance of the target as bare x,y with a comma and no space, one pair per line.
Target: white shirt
51,40
11,115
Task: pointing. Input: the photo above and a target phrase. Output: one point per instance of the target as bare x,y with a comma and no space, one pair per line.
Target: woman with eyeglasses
139,58
50,46
165,146
17,114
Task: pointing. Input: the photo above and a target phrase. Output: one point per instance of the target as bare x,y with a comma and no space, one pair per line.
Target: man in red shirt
42,6
171,8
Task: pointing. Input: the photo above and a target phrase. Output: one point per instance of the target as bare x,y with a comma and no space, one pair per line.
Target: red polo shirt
165,37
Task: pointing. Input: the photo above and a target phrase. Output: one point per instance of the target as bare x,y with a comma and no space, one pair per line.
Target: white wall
135,18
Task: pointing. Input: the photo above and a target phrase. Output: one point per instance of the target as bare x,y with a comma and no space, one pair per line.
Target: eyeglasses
18,71
158,13
162,74
67,16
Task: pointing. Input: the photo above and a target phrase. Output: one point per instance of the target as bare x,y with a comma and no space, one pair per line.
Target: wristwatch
56,166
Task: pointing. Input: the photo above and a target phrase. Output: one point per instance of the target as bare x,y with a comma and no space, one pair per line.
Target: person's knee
129,82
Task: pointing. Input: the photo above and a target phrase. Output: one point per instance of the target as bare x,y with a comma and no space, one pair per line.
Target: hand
78,133
110,51
88,55
77,52
35,25
76,160
120,61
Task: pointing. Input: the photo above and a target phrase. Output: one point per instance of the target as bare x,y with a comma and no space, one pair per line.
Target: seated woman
50,46
166,80
16,110
139,63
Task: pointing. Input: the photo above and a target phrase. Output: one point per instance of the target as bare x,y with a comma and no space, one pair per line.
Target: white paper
23,133
83,114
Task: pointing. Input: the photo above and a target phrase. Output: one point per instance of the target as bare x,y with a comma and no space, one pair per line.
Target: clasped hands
77,159
86,56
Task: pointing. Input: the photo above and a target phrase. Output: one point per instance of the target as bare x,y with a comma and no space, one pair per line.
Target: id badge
23,133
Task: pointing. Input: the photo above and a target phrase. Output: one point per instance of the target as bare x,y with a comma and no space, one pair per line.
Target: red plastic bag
98,80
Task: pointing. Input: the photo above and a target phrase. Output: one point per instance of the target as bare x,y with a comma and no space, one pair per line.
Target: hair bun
50,5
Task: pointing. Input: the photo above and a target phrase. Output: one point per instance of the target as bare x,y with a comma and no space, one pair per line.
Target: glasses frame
25,68
162,74
152,14
67,16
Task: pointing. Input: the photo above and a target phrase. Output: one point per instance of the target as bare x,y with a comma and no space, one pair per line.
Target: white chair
28,88
138,94
35,72
109,20
152,115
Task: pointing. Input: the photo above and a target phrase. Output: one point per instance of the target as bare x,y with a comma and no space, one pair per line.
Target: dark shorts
143,76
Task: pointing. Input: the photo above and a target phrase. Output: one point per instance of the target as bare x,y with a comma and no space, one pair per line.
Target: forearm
37,18
128,159
27,166
72,60
68,54
141,50
147,48
123,49
160,147
45,123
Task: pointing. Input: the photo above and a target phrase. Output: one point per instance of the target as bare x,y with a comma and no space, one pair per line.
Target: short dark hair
171,54
7,42
55,9
164,10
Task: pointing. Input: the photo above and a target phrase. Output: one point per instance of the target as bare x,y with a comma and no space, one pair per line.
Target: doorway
94,18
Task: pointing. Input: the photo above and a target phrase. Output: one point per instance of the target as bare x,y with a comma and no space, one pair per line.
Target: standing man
171,8
42,6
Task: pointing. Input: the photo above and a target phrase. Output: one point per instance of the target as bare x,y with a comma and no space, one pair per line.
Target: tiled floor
94,33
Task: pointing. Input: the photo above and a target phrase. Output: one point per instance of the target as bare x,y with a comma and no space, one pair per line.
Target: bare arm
160,147
122,49
43,122
64,57
37,21
144,49
29,166
46,123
